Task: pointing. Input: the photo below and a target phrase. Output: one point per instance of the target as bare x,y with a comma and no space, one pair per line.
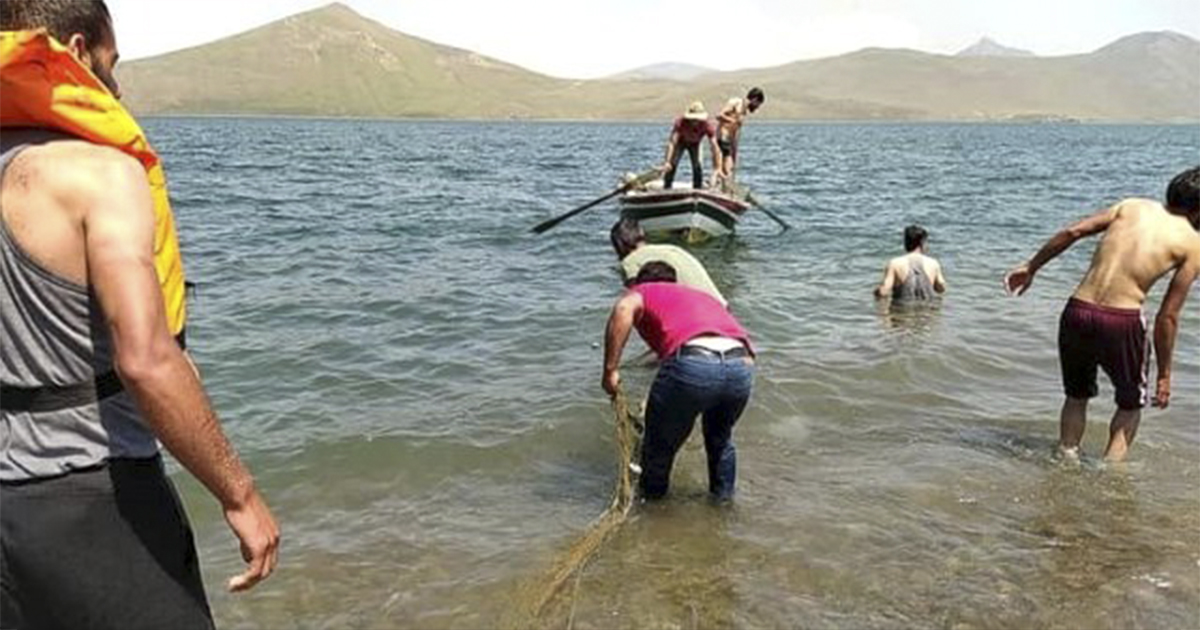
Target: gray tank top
916,286
55,339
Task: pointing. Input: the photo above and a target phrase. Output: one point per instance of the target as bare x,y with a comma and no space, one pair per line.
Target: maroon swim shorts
1090,335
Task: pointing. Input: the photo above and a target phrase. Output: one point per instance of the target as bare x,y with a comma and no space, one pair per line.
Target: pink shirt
692,132
673,314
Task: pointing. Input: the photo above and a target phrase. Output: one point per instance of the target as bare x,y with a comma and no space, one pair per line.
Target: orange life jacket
43,85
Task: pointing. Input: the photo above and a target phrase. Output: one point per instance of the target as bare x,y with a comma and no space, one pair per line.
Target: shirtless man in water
915,275
1102,324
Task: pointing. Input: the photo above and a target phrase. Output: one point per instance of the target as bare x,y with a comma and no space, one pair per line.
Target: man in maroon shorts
1102,324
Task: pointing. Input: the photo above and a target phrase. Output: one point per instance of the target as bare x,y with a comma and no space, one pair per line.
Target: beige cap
696,111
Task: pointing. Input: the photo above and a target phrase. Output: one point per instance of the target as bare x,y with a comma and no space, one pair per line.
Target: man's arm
118,226
1019,279
729,113
939,280
716,153
889,278
616,334
1166,324
672,143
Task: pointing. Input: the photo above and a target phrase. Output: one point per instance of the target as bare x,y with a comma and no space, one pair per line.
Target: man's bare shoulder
1191,245
1137,206
75,170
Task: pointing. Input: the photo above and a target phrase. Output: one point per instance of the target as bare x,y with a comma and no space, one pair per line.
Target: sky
578,39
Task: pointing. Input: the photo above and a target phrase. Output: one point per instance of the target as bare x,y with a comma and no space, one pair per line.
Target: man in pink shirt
707,368
687,133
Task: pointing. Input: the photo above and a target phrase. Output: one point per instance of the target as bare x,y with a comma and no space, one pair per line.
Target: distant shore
666,118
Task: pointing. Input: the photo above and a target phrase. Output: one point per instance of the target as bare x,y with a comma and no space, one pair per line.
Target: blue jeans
687,386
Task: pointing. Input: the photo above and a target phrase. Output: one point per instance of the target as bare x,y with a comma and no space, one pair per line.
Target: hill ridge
332,61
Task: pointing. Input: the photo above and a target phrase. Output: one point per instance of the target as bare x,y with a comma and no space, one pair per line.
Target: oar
754,202
637,181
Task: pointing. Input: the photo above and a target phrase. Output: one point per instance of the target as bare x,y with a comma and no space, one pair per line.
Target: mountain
334,62
672,71
987,47
331,62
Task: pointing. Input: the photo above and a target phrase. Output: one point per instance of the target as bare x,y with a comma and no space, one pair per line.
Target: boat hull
695,214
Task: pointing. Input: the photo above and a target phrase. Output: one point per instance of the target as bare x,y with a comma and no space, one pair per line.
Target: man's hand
611,381
1162,397
1017,281
258,534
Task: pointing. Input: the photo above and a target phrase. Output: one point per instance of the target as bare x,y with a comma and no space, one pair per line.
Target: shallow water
414,379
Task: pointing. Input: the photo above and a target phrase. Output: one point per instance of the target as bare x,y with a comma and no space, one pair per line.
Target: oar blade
636,181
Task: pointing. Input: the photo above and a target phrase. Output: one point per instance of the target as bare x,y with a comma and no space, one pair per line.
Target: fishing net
576,557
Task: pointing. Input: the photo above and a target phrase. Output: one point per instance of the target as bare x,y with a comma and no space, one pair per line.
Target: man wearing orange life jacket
91,301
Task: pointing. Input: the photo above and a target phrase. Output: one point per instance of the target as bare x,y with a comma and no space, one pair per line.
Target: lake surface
415,380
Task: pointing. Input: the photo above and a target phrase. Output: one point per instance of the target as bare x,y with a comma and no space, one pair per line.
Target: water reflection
1095,547
914,318
897,469
670,567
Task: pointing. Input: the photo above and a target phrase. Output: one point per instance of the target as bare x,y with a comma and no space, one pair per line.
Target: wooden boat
683,212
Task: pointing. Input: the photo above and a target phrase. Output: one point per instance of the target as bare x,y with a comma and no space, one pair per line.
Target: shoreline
655,121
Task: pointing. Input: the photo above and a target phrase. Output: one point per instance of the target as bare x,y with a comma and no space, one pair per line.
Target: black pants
105,548
697,172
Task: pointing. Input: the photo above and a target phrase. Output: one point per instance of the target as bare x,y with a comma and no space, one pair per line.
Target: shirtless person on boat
915,275
1102,324
729,129
688,131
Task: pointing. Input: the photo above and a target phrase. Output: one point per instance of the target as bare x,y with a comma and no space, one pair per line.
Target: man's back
1143,242
37,195
902,266
690,272
913,276
55,336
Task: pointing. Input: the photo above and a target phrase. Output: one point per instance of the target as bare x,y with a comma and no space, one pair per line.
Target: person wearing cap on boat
687,133
707,369
729,129
634,252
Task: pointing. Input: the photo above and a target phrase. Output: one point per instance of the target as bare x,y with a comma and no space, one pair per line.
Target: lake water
414,379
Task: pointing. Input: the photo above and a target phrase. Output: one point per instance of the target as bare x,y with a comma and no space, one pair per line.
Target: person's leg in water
675,401
1125,359
669,176
718,424
1079,364
1071,425
1121,432
697,170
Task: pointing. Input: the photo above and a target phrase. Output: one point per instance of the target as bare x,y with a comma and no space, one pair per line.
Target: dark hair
914,237
655,271
1183,193
62,18
625,236
756,94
